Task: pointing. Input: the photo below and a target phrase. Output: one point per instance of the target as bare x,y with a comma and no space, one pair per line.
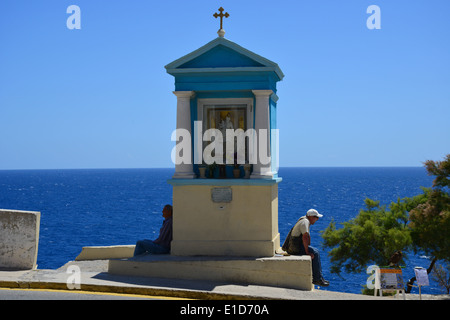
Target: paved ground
93,277
50,294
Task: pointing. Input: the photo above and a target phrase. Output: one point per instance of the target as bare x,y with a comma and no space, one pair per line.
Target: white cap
314,213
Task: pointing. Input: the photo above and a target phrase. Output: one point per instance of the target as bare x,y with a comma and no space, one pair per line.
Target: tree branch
413,279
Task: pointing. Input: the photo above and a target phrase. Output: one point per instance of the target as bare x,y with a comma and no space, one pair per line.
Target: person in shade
162,244
298,242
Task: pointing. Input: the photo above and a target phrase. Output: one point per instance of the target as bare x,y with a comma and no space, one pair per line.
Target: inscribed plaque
221,194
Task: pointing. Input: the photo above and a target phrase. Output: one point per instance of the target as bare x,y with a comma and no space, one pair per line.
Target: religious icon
223,118
225,123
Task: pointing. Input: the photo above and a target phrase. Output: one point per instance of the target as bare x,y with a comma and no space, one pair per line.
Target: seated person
162,244
298,242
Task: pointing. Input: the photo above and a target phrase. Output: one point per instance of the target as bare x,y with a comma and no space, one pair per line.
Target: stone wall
19,238
278,271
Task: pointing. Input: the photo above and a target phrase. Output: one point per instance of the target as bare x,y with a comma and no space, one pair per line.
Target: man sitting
162,244
298,243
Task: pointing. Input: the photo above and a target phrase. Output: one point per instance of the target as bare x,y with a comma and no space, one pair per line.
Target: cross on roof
221,32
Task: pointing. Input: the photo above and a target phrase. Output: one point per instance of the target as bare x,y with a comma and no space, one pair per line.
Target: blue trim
224,94
227,86
240,54
220,57
223,182
226,82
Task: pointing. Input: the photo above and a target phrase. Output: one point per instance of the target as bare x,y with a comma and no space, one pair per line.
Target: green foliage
421,223
441,170
430,225
430,221
372,236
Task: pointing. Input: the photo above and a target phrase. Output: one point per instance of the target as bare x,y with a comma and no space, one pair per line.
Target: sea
102,207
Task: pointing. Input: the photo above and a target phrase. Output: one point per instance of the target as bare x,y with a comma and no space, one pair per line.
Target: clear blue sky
99,97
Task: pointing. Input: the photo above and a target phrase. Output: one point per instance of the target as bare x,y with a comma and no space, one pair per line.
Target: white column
263,168
184,170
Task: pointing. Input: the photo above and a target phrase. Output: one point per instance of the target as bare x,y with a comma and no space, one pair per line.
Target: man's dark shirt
165,234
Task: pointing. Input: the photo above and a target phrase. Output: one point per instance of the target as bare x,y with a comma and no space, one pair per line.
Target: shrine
225,184
227,105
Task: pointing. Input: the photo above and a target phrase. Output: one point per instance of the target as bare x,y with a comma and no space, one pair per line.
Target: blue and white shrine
225,186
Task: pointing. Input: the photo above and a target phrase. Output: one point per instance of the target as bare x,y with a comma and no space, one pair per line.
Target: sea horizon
144,168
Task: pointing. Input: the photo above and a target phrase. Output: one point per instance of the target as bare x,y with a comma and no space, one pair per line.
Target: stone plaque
221,194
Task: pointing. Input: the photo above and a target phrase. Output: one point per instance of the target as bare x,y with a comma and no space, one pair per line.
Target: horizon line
146,168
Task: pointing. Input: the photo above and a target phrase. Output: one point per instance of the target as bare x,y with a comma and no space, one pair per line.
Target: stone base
225,217
255,248
106,252
278,271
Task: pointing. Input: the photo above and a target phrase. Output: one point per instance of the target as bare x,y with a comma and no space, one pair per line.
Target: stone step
278,271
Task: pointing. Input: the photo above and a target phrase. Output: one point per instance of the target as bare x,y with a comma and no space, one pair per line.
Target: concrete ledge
106,252
19,238
278,271
243,248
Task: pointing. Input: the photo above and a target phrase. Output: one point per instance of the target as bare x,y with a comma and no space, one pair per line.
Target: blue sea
101,207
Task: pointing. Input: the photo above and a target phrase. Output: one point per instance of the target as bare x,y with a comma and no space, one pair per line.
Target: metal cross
221,15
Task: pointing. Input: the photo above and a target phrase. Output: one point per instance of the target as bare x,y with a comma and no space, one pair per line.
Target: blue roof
222,56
